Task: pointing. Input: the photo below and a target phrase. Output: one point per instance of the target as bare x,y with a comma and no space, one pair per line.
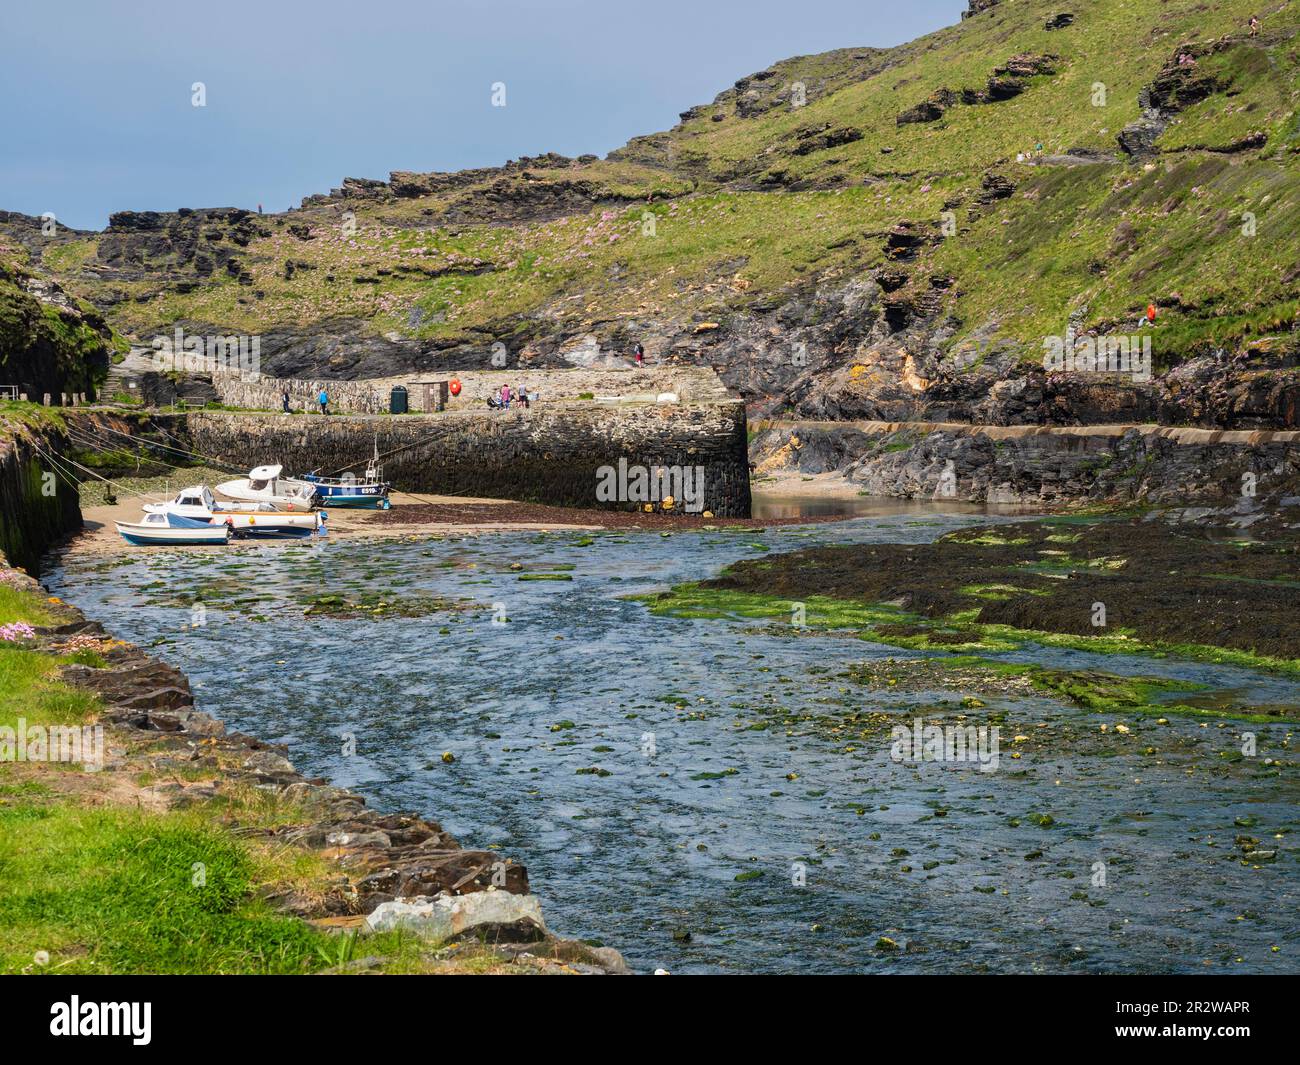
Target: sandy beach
428,515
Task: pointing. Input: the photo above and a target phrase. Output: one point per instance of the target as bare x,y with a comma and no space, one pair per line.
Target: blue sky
98,116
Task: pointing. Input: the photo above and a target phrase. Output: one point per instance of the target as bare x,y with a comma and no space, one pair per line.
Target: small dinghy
171,530
265,485
245,519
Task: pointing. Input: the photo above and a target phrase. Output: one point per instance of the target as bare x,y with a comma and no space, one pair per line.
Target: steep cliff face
881,233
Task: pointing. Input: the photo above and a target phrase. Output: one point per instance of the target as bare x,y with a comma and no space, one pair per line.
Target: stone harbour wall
36,509
550,453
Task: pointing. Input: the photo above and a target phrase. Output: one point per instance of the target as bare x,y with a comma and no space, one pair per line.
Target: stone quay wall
551,453
38,501
371,396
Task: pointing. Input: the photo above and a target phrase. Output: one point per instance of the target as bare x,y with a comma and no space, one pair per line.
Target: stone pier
551,453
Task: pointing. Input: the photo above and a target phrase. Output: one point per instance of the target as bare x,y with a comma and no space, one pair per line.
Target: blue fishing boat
341,492
367,492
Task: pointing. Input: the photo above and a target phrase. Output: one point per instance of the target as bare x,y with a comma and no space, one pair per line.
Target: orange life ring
454,386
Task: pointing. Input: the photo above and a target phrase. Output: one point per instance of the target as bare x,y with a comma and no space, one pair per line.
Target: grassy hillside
998,138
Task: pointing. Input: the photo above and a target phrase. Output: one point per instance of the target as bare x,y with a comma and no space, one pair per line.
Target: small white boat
265,485
171,530
246,519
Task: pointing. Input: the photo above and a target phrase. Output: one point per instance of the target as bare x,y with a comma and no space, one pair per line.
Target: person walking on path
1254,26
639,352
324,399
284,401
505,397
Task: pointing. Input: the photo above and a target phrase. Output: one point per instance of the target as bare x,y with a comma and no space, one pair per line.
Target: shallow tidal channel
676,787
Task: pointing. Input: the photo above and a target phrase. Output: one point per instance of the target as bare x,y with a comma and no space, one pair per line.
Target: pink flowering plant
16,632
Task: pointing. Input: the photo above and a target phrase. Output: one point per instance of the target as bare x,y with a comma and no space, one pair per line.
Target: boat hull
165,536
357,502
331,492
236,490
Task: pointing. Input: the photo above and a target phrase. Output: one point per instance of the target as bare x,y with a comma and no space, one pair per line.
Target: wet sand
423,515
99,537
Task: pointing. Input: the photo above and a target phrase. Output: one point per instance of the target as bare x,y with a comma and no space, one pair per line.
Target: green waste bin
397,401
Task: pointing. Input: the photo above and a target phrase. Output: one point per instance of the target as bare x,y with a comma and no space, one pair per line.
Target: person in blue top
324,401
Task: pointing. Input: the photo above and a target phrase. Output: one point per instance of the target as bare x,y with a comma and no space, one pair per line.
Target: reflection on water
783,503
712,767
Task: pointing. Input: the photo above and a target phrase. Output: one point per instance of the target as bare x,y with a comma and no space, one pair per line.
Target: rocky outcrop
793,83
820,137
528,189
1103,464
37,235
931,109
177,247
1182,82
1008,80
49,342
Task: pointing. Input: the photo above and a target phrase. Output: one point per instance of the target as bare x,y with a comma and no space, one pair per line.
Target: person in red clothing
1151,314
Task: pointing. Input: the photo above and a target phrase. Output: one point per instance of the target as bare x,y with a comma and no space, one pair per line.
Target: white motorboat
171,530
246,519
265,485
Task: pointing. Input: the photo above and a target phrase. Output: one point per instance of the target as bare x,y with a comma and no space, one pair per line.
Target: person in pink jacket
505,397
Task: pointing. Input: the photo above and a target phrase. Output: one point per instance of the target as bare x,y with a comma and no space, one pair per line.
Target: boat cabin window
156,519
257,486
191,501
